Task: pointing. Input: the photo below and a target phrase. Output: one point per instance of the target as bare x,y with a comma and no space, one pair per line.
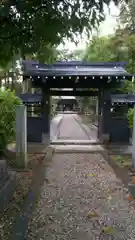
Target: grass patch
122,161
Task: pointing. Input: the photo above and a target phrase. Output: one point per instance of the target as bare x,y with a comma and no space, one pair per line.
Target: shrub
131,118
8,102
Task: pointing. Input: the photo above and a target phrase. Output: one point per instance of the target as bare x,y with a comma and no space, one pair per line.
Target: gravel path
75,185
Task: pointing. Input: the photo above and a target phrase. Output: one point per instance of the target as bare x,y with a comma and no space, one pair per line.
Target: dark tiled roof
30,98
127,98
75,68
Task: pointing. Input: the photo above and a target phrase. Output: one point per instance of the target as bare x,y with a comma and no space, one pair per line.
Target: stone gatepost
21,136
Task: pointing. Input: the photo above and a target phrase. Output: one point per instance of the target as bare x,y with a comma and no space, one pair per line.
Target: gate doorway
78,123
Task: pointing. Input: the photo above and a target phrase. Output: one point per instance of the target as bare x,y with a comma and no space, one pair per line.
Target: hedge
8,102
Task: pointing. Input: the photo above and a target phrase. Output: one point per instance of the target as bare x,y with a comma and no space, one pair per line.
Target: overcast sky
107,27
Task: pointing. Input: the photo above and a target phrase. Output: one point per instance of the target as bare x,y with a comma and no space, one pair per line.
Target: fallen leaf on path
92,174
28,174
130,198
92,214
108,229
133,179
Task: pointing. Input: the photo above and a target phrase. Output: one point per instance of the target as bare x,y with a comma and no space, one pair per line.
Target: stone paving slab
70,129
75,186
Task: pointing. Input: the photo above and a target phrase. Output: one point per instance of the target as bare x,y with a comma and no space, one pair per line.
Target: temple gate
101,78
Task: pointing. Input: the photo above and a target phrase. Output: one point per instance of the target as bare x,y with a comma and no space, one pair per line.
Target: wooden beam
73,93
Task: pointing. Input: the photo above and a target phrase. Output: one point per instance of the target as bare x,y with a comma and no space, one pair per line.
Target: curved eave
77,74
89,75
77,71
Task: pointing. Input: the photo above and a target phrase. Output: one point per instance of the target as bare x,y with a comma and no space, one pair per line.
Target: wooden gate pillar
45,106
99,114
104,116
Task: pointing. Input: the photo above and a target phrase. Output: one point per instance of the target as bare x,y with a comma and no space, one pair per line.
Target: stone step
77,148
74,142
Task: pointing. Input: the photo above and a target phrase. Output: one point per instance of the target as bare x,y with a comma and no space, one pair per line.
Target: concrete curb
77,151
82,127
49,153
20,227
94,125
7,191
58,129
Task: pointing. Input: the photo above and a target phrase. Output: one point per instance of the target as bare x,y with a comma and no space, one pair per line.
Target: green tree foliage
107,49
98,50
45,54
68,55
26,25
127,16
8,102
117,47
